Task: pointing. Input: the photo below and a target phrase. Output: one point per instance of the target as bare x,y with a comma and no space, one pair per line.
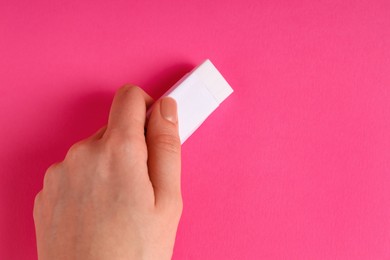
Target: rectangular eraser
197,95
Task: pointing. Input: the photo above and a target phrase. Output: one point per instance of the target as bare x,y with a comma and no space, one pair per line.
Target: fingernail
168,109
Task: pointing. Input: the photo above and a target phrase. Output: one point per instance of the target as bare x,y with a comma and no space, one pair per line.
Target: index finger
128,111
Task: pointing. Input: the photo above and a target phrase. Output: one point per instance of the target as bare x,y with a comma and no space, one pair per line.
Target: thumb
164,148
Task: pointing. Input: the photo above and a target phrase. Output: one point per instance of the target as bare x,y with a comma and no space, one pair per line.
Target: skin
116,195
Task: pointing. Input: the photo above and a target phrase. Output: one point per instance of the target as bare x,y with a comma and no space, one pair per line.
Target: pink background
294,165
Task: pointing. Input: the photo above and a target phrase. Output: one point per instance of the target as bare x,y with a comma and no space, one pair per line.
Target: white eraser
197,95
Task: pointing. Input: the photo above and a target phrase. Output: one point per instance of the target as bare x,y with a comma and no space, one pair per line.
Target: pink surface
294,165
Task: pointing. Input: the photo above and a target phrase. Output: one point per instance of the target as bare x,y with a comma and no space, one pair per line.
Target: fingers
164,147
128,111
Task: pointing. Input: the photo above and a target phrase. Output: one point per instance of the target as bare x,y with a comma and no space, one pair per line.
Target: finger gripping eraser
197,95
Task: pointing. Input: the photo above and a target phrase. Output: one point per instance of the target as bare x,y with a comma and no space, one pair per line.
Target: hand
116,195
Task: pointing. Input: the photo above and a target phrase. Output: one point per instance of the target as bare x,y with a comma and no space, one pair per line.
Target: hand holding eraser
197,95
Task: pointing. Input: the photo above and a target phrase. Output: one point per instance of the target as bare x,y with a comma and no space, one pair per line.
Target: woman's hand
116,195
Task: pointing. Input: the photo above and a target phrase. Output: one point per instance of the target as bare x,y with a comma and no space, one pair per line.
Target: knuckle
122,143
127,89
131,92
51,172
37,198
47,179
53,168
76,150
167,142
115,141
117,135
